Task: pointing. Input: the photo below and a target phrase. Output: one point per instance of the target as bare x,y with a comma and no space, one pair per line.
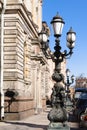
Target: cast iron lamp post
69,103
43,37
68,83
58,115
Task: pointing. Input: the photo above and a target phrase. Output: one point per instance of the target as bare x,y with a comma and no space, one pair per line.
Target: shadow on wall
11,94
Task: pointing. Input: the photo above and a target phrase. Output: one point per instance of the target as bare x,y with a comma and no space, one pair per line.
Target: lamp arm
69,83
67,55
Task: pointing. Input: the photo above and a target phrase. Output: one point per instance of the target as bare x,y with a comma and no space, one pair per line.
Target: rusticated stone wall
21,48
27,71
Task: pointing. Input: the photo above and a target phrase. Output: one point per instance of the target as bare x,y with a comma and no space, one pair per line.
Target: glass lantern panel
58,26
67,72
44,37
71,37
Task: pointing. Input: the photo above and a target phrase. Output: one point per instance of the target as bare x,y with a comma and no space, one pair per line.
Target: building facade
25,75
25,67
81,82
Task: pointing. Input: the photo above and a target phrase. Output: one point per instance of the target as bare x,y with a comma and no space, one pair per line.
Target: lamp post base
58,126
69,105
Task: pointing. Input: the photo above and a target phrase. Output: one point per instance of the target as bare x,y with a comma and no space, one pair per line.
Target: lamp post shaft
58,114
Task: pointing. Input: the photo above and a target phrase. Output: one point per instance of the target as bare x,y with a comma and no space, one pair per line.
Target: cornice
16,8
39,58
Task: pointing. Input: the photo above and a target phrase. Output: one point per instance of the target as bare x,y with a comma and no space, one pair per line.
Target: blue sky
74,13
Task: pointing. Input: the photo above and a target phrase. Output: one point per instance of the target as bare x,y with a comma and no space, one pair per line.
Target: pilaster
34,84
39,15
28,4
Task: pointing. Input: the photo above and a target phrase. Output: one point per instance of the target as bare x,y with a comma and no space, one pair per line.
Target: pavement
34,122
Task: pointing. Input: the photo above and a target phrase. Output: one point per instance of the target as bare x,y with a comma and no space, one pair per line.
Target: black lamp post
43,38
68,83
58,115
69,103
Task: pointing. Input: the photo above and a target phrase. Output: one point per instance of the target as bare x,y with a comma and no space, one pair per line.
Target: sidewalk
35,122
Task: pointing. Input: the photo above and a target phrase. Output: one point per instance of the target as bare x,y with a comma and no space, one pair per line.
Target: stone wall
21,48
27,71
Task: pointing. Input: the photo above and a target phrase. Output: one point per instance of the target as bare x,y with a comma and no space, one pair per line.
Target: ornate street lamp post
58,115
43,38
69,103
68,83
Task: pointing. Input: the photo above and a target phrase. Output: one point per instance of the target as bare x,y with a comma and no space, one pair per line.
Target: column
39,15
34,84
28,4
39,97
34,10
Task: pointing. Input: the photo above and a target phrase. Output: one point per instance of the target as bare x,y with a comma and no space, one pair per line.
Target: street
36,122
74,125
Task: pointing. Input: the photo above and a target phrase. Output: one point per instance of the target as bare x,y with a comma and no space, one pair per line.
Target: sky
74,14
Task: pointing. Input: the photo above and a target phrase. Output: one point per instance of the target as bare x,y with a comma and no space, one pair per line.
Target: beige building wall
26,70
24,64
35,8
